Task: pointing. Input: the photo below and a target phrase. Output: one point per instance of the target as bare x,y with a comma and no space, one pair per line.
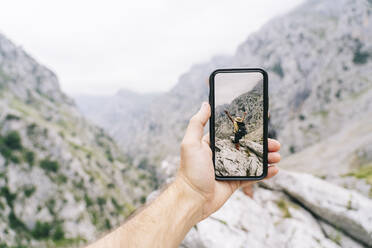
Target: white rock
345,209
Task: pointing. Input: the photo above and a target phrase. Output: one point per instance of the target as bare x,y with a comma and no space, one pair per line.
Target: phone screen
239,123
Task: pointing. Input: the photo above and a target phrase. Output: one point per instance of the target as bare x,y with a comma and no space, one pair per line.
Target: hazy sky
228,86
98,47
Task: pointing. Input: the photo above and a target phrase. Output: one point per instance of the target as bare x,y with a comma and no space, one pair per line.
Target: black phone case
265,119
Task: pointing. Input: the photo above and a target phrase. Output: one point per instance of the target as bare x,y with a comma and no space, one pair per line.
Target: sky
98,47
228,86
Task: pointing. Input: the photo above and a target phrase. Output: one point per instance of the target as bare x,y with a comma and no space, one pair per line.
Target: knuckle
278,145
279,157
194,119
188,144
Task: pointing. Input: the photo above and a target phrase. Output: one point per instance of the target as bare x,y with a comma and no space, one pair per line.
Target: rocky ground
291,210
247,161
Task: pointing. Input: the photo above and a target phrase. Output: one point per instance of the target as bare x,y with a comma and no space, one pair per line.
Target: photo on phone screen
239,124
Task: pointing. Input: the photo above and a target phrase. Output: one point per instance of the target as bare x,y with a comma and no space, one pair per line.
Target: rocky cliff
62,180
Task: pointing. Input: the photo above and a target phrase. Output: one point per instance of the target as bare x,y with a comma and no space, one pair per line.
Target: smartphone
238,123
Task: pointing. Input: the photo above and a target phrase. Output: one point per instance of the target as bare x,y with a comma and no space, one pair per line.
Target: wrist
192,200
168,218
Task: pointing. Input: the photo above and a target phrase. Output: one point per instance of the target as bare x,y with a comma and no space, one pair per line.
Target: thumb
194,132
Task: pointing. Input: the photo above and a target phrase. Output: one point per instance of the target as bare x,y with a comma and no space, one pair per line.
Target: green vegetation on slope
363,172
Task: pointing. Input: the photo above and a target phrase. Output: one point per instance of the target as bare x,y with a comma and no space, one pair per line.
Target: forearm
229,116
164,223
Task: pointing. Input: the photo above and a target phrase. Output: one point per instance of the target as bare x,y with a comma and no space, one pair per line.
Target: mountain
62,179
319,60
162,122
125,105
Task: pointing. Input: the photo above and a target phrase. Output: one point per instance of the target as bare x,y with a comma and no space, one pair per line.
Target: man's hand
244,114
193,196
197,170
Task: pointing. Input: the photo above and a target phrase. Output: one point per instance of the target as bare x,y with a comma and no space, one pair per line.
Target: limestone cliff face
62,180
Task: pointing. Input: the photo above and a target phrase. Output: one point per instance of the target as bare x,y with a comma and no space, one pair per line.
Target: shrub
338,94
50,204
49,165
364,172
61,179
29,190
9,197
277,68
111,185
15,159
117,206
360,57
41,230
107,224
4,150
79,184
9,143
101,201
109,155
29,157
10,117
31,129
88,201
13,140
143,164
59,233
15,223
284,207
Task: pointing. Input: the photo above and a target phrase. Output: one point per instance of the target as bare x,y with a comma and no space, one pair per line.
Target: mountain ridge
304,85
62,179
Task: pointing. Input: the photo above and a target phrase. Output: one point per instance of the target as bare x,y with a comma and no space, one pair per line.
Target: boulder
345,209
270,219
